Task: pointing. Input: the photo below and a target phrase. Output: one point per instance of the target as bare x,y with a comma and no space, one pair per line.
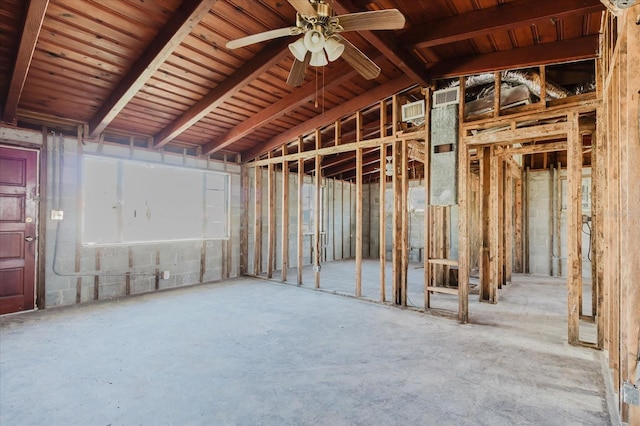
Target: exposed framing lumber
504,17
308,155
299,97
533,149
382,208
463,218
273,53
404,157
485,208
257,216
574,226
358,205
244,225
271,219
548,131
518,264
355,104
427,192
547,53
494,228
284,229
181,23
316,210
300,263
32,26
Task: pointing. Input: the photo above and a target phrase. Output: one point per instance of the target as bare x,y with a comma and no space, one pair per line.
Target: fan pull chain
316,86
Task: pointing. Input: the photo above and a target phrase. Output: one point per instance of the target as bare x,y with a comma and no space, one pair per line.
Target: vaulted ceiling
159,69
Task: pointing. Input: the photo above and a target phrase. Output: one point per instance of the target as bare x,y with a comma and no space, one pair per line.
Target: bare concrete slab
252,352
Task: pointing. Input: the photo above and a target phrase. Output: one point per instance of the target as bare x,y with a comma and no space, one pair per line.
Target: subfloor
253,352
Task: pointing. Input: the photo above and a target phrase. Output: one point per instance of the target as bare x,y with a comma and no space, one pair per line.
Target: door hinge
630,394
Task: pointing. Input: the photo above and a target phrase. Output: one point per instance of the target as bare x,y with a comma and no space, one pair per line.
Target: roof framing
500,18
168,39
31,30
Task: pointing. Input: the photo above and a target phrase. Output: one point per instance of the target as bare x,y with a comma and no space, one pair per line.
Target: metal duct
528,78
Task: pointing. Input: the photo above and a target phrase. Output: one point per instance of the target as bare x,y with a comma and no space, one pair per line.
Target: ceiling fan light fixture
333,48
298,49
314,41
318,59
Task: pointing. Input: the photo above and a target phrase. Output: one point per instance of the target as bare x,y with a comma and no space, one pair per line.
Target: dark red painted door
18,191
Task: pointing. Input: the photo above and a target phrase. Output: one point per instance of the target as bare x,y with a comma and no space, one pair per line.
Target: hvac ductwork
527,78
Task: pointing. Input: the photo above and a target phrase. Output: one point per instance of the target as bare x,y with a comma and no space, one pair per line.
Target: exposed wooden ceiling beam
500,18
183,20
349,107
31,30
540,54
372,158
270,55
388,45
297,98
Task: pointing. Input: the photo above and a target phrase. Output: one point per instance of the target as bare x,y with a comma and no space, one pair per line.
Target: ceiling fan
321,42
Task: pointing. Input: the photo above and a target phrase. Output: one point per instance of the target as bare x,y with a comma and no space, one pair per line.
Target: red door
18,190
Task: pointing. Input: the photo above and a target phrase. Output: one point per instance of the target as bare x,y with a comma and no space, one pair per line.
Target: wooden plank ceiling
159,69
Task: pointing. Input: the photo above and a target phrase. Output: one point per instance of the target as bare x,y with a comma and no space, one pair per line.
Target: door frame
40,214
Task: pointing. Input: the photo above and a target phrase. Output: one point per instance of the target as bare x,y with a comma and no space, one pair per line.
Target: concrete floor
250,352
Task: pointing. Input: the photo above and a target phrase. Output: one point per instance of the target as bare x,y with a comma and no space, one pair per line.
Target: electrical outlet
166,275
57,214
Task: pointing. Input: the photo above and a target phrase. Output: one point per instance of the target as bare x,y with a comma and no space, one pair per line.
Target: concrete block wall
542,231
110,264
338,221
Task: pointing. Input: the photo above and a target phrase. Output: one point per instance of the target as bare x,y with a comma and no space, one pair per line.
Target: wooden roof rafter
167,40
576,49
355,104
269,56
299,97
503,17
36,12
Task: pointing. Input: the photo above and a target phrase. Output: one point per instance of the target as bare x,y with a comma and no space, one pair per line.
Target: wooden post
257,246
244,226
558,221
463,218
285,215
427,188
543,86
508,235
358,205
383,182
397,210
518,219
574,227
271,218
501,236
494,230
485,185
317,207
552,216
299,218
497,90
405,221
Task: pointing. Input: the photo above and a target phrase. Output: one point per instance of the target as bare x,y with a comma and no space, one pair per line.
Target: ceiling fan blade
298,70
267,35
359,61
388,19
303,7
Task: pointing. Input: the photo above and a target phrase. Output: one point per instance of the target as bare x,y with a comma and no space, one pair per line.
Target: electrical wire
58,204
589,234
